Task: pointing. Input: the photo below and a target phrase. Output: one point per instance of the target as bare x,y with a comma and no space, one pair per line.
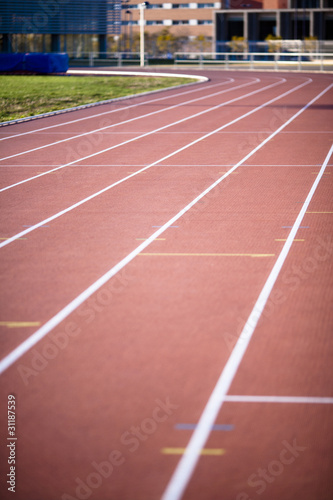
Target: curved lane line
79,203
185,103
115,101
185,468
146,134
187,464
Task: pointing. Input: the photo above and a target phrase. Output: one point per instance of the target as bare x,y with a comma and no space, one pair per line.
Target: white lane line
76,205
119,165
288,166
236,132
130,73
118,124
188,462
146,134
125,165
309,132
202,430
278,399
125,108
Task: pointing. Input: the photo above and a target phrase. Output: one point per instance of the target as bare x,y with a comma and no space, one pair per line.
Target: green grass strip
22,96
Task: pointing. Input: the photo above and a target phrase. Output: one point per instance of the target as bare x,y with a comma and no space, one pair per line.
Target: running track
166,298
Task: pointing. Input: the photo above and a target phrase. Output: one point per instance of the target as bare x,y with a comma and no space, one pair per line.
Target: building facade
252,20
48,24
190,19
289,24
82,26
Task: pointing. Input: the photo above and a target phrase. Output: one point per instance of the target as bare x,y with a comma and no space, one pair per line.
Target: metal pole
131,33
142,35
126,34
130,29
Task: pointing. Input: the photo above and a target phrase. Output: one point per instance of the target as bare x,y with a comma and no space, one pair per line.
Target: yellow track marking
16,238
204,451
19,324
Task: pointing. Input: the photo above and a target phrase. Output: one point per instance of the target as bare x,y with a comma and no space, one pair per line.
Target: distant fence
277,61
120,58
92,59
319,46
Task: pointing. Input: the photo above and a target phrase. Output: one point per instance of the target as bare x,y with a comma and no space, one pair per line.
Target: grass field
22,96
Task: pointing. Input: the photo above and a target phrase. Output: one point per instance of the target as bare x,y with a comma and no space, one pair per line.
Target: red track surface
118,379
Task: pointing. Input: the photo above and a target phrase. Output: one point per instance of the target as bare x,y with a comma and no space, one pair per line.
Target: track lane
186,466
158,151
126,121
160,361
23,233
86,114
43,223
97,145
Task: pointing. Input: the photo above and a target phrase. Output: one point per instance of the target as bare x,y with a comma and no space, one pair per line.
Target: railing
92,59
277,61
301,61
283,45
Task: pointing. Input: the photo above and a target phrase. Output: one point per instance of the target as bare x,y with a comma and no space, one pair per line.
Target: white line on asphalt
188,462
184,470
278,399
76,205
169,108
125,108
146,134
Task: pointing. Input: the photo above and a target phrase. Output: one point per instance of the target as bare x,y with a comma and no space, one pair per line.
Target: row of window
169,22
212,5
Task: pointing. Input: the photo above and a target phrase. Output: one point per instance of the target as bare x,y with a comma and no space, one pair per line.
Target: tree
166,42
238,44
274,43
202,43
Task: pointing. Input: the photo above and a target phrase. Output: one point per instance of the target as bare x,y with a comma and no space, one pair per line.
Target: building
290,20
190,19
80,27
56,25
253,20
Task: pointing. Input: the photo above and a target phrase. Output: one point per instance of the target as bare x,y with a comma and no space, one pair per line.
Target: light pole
122,45
130,29
142,7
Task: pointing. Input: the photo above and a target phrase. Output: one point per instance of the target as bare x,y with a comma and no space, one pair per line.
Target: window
305,4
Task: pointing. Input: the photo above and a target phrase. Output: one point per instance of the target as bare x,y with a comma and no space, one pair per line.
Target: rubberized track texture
166,301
